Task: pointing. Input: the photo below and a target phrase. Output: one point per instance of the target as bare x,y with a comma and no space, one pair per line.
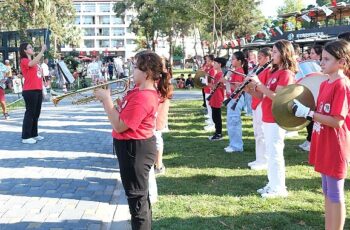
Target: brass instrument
84,96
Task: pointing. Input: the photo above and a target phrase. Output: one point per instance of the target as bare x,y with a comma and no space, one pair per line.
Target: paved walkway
70,180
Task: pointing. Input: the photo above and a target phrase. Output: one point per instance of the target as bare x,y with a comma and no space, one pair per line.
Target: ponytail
164,87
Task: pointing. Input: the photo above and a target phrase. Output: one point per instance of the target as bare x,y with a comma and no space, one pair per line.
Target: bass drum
307,68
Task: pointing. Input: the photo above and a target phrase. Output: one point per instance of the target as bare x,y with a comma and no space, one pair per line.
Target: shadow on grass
245,185
288,220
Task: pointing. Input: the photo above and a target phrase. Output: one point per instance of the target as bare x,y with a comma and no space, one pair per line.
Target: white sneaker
263,189
258,167
38,138
209,128
306,147
274,194
251,163
29,141
303,144
228,149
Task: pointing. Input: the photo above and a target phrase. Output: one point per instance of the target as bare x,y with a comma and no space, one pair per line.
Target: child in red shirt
330,141
282,74
133,124
217,98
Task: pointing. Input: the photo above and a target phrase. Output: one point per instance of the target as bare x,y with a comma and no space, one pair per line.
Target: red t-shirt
330,147
32,75
280,77
263,76
211,72
218,96
138,111
235,78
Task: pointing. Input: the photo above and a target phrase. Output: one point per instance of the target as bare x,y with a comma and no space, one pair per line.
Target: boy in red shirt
217,97
330,141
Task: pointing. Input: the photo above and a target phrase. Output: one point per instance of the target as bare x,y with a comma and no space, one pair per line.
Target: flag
279,30
306,18
334,3
326,10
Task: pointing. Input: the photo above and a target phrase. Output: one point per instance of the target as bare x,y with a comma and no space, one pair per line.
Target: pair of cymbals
283,103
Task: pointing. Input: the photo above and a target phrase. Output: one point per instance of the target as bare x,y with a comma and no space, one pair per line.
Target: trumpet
83,96
244,84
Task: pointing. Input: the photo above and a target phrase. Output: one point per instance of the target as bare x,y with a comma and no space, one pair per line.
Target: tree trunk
183,51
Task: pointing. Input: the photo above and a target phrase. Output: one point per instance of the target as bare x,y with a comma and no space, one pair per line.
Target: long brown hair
287,56
22,48
150,63
340,49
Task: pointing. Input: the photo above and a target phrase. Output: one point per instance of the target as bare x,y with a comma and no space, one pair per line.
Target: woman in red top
133,124
32,92
217,98
330,141
282,74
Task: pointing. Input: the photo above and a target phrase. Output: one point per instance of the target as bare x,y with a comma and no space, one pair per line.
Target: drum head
313,83
306,68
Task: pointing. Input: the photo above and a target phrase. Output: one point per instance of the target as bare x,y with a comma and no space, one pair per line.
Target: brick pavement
70,180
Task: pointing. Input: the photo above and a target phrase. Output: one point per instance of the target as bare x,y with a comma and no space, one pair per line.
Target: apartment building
103,32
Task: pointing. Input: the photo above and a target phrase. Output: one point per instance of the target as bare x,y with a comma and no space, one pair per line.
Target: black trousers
204,99
136,157
216,115
33,100
309,131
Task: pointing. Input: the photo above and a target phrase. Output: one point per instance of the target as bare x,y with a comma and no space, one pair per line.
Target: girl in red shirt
282,74
32,92
330,141
217,98
234,121
260,163
133,124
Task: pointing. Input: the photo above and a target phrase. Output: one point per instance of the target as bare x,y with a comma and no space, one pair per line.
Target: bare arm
163,111
37,59
332,121
113,115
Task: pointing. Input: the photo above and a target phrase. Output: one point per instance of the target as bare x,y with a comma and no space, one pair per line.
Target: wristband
310,116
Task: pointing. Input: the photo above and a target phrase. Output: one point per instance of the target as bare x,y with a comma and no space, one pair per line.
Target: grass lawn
206,188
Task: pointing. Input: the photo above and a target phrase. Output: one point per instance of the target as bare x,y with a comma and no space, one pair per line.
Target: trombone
84,96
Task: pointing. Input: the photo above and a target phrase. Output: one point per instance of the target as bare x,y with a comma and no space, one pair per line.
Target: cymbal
283,103
199,78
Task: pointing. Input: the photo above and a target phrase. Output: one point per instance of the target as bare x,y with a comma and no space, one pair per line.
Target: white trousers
260,150
274,142
209,109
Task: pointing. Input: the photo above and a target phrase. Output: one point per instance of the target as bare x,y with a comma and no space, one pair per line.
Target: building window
129,30
104,7
105,20
118,32
103,43
118,43
89,32
77,7
89,7
116,20
77,20
88,20
89,43
103,32
130,42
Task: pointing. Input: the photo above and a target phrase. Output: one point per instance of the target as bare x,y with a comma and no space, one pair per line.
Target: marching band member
260,162
234,122
282,74
3,71
32,92
315,54
217,97
208,68
330,143
133,124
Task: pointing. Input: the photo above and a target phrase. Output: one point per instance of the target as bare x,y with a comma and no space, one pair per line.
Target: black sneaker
215,137
6,116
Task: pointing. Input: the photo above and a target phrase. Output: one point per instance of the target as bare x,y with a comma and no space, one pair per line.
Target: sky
269,7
